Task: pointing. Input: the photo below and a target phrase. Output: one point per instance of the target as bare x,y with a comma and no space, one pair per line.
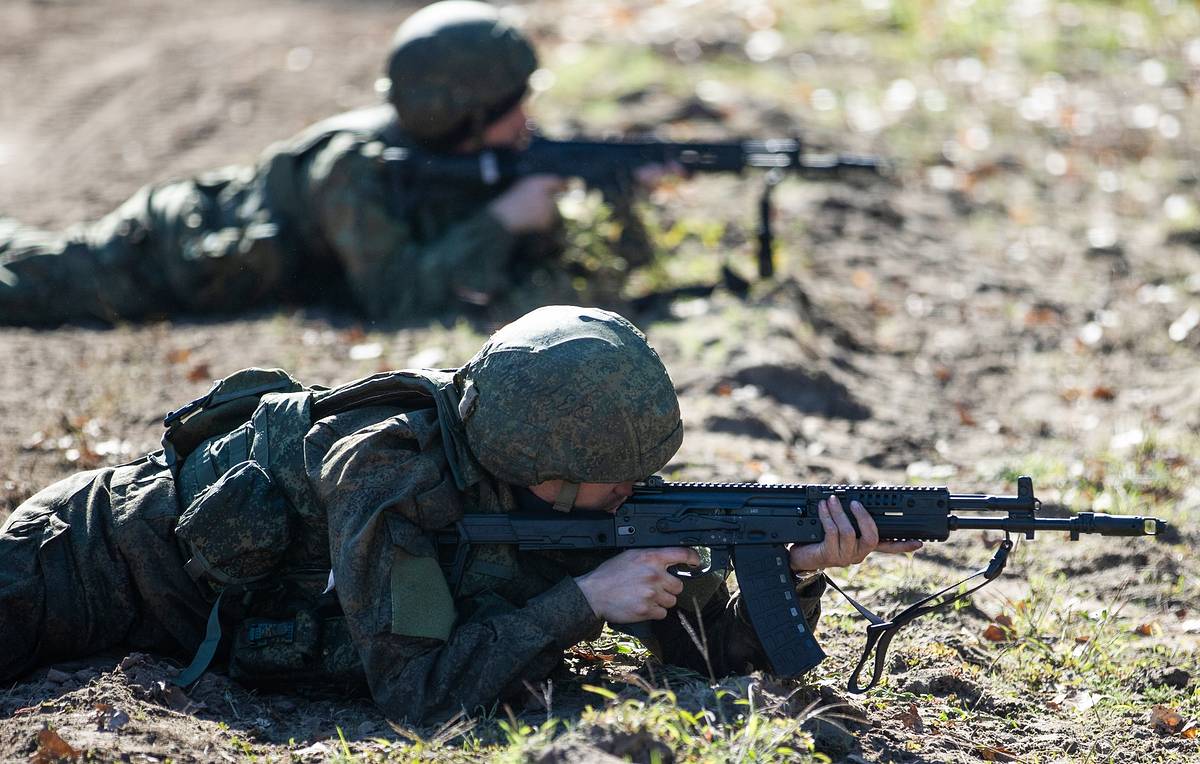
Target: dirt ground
979,316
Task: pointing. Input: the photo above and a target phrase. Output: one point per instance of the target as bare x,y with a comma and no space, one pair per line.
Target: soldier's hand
529,206
842,546
635,585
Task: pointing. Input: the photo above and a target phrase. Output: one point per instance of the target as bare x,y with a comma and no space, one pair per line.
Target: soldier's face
597,497
603,497
509,131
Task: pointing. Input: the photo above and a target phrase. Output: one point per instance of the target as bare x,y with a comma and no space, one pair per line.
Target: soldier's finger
898,547
676,555
673,584
656,613
869,533
665,599
832,535
848,540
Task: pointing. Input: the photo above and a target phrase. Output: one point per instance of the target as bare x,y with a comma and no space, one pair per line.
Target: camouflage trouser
91,563
202,244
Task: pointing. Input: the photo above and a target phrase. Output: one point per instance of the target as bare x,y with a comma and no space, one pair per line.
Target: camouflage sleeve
392,273
426,656
724,628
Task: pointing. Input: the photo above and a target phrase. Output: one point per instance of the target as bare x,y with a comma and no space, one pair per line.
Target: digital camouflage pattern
318,210
92,563
570,393
101,560
322,217
454,67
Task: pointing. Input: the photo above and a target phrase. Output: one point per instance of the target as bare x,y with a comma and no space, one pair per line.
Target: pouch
238,529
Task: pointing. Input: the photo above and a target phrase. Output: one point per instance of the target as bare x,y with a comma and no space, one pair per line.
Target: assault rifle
746,526
609,166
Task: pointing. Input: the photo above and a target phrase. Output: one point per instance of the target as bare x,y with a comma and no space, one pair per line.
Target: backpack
252,529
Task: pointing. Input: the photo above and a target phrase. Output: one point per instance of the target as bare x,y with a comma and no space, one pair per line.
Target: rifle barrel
1084,522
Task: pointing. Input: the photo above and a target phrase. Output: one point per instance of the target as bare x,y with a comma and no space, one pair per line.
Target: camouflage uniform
107,558
318,210
321,215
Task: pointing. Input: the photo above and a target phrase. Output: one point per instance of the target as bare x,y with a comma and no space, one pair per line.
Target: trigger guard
688,572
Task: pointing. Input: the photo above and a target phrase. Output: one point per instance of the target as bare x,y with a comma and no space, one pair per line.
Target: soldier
301,525
322,209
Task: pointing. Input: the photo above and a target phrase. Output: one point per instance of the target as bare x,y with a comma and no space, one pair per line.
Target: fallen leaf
995,753
52,748
1004,621
1082,639
964,415
1071,394
724,390
590,656
1149,629
994,633
199,373
911,718
1167,719
1041,316
1102,393
178,355
862,279
1190,731
943,374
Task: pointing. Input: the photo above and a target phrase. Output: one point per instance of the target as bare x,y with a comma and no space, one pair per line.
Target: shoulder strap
431,387
880,630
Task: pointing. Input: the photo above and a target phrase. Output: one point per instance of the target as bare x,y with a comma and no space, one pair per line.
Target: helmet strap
566,496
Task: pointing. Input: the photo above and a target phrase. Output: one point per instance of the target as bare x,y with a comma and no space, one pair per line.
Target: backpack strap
438,388
207,650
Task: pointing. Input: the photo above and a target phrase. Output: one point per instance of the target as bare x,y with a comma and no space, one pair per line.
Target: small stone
366,728
133,659
85,675
54,676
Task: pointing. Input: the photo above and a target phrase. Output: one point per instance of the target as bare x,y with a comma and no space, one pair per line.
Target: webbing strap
566,496
207,650
881,631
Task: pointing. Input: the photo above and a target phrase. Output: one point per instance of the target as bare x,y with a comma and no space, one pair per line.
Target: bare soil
917,332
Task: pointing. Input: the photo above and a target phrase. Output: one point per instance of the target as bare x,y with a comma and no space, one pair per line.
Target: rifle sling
881,631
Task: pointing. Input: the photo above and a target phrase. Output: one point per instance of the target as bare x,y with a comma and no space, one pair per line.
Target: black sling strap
880,631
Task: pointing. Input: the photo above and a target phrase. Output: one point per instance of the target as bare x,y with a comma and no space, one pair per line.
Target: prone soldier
293,533
323,208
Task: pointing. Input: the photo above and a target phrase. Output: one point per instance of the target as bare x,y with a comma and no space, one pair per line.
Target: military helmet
455,67
569,393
